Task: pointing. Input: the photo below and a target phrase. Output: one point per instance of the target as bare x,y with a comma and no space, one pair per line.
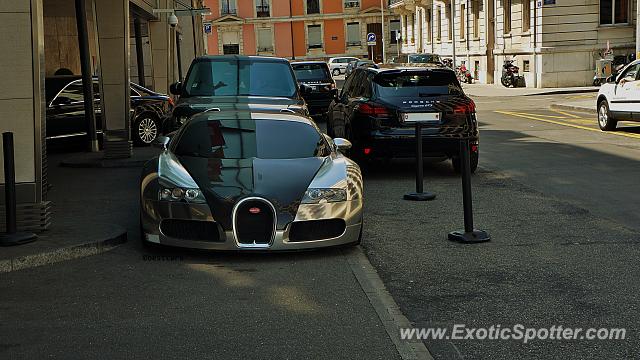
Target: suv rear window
424,59
311,71
230,77
417,83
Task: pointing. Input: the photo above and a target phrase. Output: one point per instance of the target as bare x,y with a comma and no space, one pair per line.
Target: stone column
22,109
112,17
638,30
403,24
161,37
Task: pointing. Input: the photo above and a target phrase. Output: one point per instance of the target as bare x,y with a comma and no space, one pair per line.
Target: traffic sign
371,37
207,28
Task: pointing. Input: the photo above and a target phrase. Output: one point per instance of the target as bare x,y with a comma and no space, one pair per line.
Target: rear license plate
433,117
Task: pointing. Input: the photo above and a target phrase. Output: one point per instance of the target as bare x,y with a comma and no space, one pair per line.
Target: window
351,4
227,7
265,41
311,72
394,29
229,77
526,67
262,8
631,73
463,19
447,12
313,6
314,33
526,16
353,34
72,93
506,15
614,12
476,18
439,24
412,84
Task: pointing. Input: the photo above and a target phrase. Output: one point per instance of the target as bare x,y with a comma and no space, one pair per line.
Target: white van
338,65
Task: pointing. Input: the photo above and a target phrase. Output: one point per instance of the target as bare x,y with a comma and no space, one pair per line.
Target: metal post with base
469,235
419,195
12,236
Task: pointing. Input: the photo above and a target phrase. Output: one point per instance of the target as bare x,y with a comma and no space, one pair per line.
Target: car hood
224,182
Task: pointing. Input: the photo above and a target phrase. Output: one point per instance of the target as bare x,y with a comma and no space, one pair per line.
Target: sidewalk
583,104
81,223
498,90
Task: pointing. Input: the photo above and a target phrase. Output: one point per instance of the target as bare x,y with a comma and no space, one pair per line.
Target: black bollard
469,235
419,195
12,236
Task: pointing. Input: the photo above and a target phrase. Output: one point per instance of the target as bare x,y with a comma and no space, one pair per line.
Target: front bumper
154,212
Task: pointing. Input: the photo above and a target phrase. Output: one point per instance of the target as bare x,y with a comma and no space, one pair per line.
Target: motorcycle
463,74
510,74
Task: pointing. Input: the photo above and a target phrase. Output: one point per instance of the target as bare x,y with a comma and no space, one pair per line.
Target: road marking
566,114
583,96
533,117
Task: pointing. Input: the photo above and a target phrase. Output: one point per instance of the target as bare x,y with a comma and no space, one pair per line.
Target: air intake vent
190,230
316,230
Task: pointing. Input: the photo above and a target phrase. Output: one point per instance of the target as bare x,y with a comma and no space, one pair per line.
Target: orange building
300,29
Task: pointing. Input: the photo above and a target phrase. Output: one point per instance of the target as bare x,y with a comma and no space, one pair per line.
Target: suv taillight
374,110
468,108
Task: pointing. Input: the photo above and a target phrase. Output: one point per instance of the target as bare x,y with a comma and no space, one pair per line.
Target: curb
385,306
581,109
69,253
568,91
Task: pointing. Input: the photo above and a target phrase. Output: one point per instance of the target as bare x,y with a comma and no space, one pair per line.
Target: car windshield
417,83
424,59
231,77
244,139
311,71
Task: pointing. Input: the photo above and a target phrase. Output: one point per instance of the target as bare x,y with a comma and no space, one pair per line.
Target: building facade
304,29
42,41
554,42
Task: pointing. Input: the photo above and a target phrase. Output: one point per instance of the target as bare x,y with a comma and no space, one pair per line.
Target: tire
146,128
605,120
457,163
596,82
335,72
506,81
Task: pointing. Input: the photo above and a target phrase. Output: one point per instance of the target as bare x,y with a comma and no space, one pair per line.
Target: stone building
554,42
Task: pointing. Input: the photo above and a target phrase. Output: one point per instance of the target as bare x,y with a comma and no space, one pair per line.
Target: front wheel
507,81
146,129
605,120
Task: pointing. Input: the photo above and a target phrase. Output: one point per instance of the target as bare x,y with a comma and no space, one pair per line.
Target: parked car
242,180
358,63
620,100
235,82
376,107
338,65
65,110
316,75
417,59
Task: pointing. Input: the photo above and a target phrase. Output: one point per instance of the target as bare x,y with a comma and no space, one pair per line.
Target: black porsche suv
375,108
236,82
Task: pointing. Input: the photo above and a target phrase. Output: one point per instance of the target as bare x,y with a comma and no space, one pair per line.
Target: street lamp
384,47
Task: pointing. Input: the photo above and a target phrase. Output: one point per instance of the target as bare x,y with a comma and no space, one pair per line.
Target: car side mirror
342,144
176,88
161,142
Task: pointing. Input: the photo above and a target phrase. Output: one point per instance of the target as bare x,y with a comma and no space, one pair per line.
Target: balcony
263,10
226,10
352,4
313,6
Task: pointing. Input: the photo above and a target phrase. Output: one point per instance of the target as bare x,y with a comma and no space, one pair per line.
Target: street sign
207,28
371,37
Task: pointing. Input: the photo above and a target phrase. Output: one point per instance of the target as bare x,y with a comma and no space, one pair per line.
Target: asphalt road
560,203
557,198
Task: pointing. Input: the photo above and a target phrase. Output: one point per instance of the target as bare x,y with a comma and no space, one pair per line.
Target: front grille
254,222
316,230
190,230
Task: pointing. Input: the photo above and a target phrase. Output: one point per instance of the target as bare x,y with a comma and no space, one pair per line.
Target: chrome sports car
246,181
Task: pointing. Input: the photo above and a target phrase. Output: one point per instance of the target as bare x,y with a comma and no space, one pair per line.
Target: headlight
179,194
318,196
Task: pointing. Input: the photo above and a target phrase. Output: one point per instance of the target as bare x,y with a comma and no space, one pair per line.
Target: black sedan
316,75
377,108
235,82
65,110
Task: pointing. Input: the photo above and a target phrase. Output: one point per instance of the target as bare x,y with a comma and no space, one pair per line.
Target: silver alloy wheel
147,130
603,117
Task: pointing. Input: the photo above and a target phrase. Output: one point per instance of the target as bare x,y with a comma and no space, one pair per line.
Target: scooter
608,68
464,75
510,74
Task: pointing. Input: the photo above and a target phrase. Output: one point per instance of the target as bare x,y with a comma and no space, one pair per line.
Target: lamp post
293,48
638,30
384,47
453,32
